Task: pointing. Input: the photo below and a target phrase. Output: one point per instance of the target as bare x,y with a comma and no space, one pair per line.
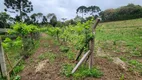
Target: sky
67,8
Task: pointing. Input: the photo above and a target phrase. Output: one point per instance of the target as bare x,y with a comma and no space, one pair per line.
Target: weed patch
82,72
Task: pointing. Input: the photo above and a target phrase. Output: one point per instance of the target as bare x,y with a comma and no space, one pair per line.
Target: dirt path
48,71
37,69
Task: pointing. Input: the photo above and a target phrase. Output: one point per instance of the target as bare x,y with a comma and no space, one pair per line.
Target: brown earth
52,71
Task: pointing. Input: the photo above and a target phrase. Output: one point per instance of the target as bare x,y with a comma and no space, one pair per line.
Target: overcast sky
67,8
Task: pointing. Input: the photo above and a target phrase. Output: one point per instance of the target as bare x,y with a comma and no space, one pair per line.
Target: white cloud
67,8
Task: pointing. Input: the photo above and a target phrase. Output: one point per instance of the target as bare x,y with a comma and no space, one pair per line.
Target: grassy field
122,34
122,39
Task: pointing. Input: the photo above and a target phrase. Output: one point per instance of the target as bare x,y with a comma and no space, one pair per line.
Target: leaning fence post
2,61
81,61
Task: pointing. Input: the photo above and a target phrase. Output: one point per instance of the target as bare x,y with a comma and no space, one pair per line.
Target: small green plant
17,77
82,72
19,67
64,49
134,62
136,66
123,58
70,55
122,77
136,53
66,70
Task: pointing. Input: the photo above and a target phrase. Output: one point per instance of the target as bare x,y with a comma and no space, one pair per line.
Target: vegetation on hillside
122,39
130,11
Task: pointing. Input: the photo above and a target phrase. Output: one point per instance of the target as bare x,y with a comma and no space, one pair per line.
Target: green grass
122,77
70,55
135,66
16,70
64,49
126,34
82,72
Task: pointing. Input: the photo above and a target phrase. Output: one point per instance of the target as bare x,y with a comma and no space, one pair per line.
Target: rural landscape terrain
41,47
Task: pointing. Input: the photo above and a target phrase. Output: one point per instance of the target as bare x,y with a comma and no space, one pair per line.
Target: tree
39,17
59,24
50,15
93,9
21,6
130,11
36,17
81,9
33,18
52,18
69,22
63,19
4,19
44,20
53,21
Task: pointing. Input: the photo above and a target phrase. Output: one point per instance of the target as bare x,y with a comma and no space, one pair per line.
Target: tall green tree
4,17
39,17
44,20
53,21
20,6
36,18
33,18
82,10
93,10
52,18
50,15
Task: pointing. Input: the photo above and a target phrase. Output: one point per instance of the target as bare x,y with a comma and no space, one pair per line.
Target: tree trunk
20,11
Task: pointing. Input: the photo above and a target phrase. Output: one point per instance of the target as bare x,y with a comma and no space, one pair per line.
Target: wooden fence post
2,61
92,43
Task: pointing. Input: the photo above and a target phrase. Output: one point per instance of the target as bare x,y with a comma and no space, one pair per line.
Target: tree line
130,11
23,7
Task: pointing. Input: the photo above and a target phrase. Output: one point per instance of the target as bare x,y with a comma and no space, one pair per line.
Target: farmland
54,59
70,40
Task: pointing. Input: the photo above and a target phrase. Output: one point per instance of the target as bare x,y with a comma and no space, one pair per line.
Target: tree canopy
85,10
130,11
21,6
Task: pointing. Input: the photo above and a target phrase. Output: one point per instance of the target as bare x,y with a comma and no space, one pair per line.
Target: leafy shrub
26,36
